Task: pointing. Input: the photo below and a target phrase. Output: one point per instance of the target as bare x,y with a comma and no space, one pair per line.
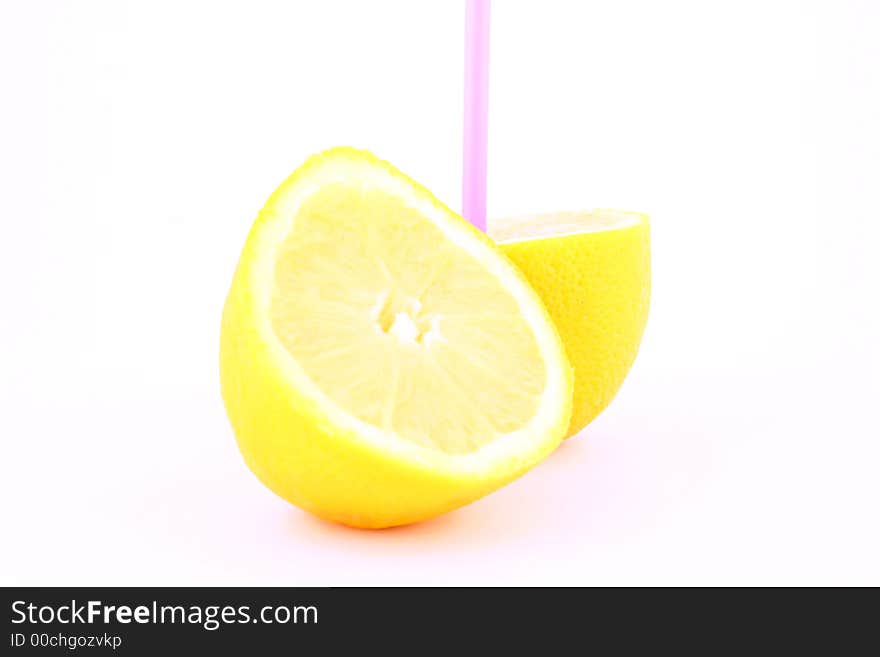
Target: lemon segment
593,272
381,361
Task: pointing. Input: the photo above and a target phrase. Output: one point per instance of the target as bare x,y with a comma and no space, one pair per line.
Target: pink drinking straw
476,112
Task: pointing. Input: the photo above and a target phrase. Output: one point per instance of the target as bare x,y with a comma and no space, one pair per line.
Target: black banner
245,621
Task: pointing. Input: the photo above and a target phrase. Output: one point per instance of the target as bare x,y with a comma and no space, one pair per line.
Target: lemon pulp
560,224
400,327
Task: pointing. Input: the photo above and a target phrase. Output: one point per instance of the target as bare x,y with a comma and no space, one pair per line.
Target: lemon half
382,361
593,272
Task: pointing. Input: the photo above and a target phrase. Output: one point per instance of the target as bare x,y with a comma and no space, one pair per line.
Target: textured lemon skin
597,288
314,461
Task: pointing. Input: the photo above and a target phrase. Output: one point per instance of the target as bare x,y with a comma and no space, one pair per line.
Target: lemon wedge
593,272
382,362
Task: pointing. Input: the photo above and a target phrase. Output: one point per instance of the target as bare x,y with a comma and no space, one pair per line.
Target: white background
139,139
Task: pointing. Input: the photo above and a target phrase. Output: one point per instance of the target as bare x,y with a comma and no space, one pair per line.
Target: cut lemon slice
381,361
593,272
